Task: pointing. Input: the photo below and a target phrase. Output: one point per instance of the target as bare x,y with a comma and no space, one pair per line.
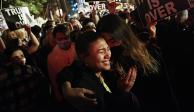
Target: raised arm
2,45
35,43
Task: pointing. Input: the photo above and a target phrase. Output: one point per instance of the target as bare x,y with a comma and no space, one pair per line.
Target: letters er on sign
154,10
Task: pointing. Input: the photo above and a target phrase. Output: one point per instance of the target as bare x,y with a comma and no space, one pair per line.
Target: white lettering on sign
19,24
16,17
97,7
15,11
21,17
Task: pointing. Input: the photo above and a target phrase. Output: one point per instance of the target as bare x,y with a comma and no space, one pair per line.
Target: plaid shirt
21,88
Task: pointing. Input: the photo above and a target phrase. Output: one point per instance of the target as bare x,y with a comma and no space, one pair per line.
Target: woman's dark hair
84,40
63,28
11,47
116,27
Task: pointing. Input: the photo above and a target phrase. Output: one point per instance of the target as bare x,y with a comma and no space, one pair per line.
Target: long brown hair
133,47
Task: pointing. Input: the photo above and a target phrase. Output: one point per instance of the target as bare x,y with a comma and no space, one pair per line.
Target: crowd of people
99,64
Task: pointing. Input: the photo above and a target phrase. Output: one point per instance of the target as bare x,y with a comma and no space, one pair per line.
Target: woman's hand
152,29
27,28
78,96
127,81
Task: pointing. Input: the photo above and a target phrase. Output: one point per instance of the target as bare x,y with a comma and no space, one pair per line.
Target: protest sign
97,5
154,10
16,17
27,16
3,24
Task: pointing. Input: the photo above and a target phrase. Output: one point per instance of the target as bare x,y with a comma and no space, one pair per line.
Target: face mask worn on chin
23,61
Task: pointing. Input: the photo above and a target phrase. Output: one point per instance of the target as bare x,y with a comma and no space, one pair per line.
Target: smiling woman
94,51
92,72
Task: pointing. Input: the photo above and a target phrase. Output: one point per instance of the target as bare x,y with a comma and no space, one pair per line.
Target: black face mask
116,52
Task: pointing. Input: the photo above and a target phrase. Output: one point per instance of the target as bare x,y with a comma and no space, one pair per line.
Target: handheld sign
154,10
16,17
97,5
3,24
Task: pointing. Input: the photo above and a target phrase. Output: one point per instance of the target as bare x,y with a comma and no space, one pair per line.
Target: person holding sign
26,38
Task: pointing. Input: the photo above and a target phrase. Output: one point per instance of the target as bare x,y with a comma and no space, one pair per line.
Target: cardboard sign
86,7
154,10
16,17
3,24
27,16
